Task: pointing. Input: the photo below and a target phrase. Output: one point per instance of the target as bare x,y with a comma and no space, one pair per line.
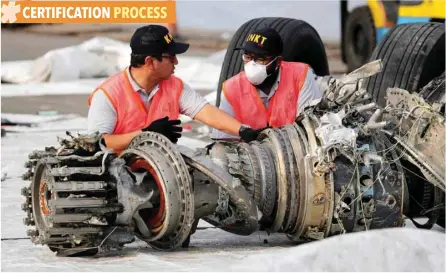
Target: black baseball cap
264,41
154,40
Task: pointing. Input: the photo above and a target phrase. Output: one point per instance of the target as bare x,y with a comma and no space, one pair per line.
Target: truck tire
301,43
359,38
412,55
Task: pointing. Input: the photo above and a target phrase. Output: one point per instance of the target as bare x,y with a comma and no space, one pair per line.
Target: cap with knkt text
265,41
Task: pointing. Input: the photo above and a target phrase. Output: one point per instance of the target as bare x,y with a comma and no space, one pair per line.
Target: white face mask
256,73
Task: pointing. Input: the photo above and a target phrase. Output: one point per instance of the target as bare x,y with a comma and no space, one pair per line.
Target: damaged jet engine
335,170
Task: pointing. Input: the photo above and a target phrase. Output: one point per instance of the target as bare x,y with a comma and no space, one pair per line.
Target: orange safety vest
249,109
132,113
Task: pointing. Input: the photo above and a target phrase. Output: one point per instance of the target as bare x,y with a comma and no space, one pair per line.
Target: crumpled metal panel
421,133
245,222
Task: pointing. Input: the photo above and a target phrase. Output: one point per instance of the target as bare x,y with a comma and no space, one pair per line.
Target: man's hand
167,128
247,134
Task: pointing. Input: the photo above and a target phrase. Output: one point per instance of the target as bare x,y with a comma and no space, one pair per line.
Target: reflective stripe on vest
282,109
132,113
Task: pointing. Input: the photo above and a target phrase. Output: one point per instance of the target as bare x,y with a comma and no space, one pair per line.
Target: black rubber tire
301,42
359,26
412,55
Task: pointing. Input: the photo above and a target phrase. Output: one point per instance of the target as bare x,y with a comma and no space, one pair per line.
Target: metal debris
335,170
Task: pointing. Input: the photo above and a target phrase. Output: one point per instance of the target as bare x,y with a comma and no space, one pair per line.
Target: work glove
167,128
248,134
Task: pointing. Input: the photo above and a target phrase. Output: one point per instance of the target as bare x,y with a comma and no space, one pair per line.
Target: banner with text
88,12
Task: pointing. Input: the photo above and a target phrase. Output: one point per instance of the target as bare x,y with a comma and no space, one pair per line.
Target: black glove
167,128
248,134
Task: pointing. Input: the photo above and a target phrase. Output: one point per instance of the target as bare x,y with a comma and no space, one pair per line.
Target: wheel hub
153,218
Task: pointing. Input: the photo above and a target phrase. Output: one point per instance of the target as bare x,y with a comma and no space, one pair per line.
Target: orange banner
88,12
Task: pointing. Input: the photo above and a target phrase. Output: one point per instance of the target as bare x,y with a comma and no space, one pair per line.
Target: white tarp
95,58
78,69
392,249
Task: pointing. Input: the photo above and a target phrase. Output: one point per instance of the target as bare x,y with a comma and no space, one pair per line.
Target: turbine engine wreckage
335,170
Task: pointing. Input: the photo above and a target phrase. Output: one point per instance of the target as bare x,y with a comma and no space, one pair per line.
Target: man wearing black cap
146,96
270,91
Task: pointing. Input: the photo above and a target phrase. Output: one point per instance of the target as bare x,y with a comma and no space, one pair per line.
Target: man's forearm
214,117
119,142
